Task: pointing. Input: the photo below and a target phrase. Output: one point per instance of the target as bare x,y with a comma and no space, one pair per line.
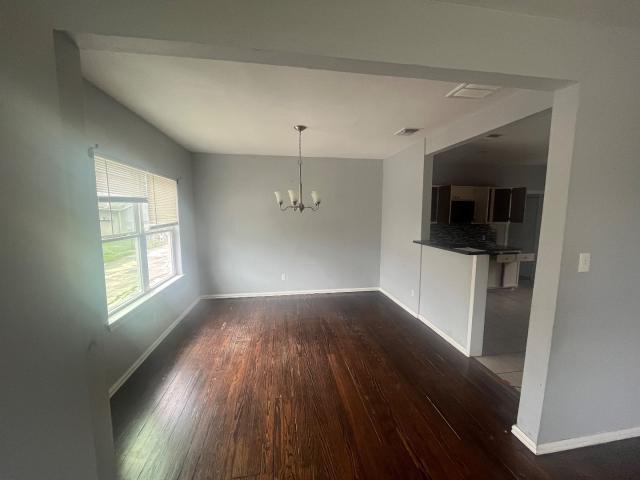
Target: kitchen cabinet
457,204
504,271
506,204
444,204
518,200
434,204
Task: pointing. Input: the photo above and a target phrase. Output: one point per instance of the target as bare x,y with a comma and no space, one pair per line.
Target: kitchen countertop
472,248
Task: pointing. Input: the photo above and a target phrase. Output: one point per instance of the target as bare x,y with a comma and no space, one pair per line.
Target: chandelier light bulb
293,196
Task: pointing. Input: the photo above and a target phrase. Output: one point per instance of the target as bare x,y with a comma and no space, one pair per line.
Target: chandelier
296,197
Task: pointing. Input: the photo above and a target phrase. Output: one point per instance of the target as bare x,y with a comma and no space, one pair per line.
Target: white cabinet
526,257
504,271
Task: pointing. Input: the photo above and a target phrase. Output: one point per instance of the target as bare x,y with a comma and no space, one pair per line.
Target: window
138,214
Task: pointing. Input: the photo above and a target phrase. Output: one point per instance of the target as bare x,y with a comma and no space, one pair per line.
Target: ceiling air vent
494,135
405,132
472,90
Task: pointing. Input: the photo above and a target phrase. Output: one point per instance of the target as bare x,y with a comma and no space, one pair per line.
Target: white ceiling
525,142
621,13
228,107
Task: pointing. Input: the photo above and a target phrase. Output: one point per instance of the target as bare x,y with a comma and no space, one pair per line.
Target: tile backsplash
461,234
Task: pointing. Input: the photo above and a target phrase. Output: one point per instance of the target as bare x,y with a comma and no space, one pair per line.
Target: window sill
118,317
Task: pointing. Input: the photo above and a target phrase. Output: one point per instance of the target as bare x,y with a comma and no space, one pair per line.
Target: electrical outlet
584,262
283,276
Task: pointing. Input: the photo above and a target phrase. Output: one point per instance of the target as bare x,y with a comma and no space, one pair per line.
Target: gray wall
50,264
453,293
593,375
123,136
489,174
245,243
402,224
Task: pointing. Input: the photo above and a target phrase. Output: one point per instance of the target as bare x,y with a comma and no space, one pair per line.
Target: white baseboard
288,292
446,337
398,302
449,340
116,386
573,443
520,435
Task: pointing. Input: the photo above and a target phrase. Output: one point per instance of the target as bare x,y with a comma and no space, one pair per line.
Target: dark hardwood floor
327,386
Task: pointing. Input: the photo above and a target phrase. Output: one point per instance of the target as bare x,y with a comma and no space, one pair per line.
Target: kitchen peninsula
459,263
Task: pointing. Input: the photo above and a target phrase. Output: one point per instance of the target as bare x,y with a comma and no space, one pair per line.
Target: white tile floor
505,332
507,319
508,367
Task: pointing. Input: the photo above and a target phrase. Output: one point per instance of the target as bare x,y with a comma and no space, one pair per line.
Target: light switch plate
584,262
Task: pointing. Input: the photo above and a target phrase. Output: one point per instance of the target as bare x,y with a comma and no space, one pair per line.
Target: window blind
116,182
163,200
114,179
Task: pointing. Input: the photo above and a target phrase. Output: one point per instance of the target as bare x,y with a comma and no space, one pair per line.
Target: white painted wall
123,136
549,264
508,110
491,174
594,354
402,224
246,243
51,425
453,295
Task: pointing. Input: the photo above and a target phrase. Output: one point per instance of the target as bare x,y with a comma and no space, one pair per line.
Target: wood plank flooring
327,386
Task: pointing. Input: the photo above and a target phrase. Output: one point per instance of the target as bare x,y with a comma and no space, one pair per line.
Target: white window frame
140,235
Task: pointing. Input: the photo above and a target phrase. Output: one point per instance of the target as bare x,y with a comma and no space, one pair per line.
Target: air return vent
405,132
472,90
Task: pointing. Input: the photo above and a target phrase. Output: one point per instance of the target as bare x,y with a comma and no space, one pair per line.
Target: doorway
508,310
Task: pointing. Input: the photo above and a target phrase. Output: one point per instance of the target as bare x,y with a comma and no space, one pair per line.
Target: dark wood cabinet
492,204
518,200
444,204
500,205
434,204
507,205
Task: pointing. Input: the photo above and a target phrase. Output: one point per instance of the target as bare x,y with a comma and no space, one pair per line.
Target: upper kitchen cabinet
518,200
499,205
443,209
434,204
469,204
459,204
506,204
454,204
